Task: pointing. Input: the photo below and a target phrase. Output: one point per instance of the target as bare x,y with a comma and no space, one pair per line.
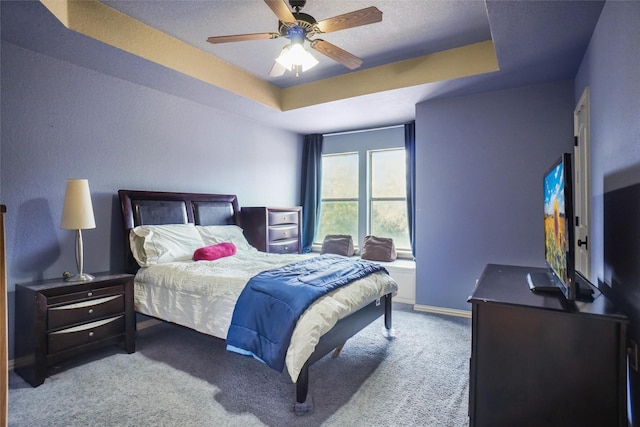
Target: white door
582,181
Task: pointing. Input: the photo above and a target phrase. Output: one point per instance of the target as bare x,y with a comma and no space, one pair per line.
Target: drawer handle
89,294
91,333
91,311
87,327
90,303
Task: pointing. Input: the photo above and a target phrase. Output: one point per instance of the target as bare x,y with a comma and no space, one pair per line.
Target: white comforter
202,295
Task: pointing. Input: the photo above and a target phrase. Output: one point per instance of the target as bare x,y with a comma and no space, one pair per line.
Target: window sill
402,254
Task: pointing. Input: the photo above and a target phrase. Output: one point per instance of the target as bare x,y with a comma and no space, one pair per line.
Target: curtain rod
362,130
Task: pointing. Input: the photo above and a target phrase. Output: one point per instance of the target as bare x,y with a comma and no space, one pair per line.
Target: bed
180,290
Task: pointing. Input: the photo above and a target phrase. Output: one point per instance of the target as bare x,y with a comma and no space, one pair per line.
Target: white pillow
212,234
156,244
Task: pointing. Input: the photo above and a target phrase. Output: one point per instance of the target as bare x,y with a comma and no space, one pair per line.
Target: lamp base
83,277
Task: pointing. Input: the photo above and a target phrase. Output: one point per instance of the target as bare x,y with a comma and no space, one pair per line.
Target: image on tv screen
555,222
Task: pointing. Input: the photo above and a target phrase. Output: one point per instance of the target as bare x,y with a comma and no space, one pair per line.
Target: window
365,193
388,196
339,212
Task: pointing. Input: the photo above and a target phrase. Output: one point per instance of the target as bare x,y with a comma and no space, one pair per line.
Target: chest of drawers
274,230
538,360
57,320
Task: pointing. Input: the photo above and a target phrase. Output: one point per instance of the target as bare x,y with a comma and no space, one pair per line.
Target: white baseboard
410,301
443,310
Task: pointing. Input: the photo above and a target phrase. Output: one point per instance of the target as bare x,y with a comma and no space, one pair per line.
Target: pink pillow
216,251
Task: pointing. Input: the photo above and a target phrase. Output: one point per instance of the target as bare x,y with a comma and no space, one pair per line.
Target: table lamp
77,214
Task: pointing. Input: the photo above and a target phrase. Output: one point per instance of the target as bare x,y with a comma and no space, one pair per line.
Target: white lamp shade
77,213
295,54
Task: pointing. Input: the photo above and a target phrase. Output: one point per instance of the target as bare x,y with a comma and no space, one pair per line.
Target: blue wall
479,166
611,70
63,121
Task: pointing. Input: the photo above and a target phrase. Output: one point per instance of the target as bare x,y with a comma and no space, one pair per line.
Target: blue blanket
272,301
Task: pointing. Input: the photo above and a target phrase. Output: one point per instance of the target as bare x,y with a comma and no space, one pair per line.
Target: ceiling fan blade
277,70
280,8
357,18
334,52
242,37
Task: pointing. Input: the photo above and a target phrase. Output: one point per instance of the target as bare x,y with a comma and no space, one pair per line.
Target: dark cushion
339,244
213,252
378,249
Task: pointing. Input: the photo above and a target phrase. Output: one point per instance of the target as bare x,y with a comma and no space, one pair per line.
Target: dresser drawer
78,296
283,232
84,311
285,247
85,334
283,217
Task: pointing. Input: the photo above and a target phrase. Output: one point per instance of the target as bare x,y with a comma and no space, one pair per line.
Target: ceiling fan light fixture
298,27
294,57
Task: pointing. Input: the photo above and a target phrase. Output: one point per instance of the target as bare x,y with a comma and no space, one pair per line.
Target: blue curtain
410,147
311,188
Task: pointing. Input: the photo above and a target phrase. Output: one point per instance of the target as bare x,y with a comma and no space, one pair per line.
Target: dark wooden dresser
275,230
56,320
539,360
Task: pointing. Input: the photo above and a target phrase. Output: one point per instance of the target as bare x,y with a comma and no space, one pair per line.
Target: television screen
558,225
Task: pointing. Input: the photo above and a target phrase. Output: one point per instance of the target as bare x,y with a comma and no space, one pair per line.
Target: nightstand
57,320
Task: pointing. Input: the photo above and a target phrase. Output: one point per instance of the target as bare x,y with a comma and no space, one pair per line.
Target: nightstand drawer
85,334
283,217
280,232
285,247
78,296
85,311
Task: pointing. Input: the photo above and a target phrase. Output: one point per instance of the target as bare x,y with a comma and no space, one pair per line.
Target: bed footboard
343,330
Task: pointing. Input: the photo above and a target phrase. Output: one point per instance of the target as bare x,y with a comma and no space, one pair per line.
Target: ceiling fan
298,26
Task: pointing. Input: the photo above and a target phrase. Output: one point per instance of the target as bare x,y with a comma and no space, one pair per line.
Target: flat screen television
558,231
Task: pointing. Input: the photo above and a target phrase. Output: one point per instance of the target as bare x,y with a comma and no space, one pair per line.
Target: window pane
388,174
338,218
389,219
340,176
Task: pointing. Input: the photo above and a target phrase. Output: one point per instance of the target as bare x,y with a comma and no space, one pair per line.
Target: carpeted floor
179,377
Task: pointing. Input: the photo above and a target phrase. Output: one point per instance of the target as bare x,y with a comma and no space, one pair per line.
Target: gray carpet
179,377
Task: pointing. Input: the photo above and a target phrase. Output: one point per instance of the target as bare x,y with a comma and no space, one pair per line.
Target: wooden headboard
158,207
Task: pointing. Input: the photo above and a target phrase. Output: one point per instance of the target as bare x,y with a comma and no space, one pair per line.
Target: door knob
585,243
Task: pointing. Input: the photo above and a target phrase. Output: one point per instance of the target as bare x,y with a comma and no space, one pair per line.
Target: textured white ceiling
409,28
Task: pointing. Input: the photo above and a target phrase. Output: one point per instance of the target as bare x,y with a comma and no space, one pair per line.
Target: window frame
363,142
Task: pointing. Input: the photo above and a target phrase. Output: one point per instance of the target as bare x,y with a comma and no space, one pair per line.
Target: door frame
582,185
